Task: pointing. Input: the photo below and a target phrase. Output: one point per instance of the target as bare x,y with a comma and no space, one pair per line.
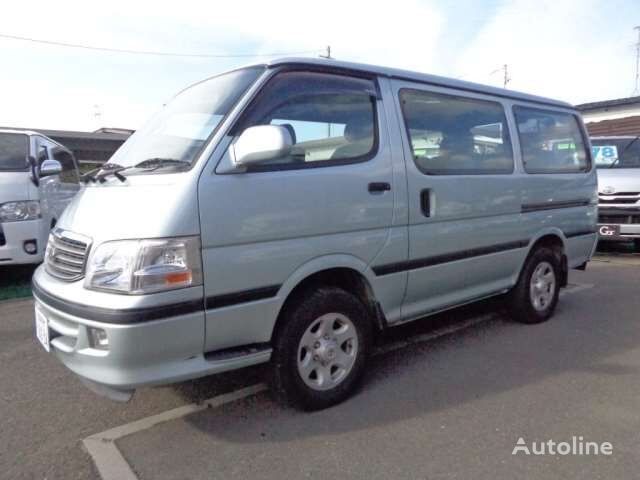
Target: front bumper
12,238
143,350
628,219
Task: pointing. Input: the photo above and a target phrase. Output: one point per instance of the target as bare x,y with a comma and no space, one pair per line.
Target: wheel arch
555,239
343,271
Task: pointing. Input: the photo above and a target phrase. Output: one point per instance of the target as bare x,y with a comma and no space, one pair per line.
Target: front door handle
376,187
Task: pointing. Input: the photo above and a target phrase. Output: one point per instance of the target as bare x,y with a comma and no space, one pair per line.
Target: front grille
619,201
66,255
620,219
619,198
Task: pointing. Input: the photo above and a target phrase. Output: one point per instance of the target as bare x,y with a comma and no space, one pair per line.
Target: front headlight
19,211
145,266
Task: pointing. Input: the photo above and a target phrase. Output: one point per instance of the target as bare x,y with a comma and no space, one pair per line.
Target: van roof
23,132
417,77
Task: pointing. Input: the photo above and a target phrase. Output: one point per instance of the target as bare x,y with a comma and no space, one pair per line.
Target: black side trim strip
244,296
580,233
235,352
117,316
447,257
538,207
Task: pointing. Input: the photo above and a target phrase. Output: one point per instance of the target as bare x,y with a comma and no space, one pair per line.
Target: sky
573,50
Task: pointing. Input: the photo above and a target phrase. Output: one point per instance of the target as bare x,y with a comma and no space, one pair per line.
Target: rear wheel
321,349
535,296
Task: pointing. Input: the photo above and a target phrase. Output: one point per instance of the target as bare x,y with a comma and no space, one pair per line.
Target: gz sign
609,230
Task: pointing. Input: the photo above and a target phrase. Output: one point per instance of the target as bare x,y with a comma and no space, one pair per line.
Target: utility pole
506,79
328,54
505,75
636,90
97,115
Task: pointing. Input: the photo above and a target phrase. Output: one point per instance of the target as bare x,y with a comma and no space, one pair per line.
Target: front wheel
535,296
320,351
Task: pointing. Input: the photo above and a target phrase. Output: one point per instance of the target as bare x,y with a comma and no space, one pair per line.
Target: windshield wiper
99,174
624,150
157,162
106,169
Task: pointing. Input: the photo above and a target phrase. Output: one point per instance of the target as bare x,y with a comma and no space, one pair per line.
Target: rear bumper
14,235
144,353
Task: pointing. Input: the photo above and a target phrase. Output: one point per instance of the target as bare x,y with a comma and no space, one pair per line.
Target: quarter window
551,142
332,118
452,135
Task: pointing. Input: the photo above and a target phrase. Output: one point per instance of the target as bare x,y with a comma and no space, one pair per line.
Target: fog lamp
30,246
98,338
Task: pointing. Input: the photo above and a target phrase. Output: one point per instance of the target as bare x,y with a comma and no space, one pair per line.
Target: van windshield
173,138
14,148
616,153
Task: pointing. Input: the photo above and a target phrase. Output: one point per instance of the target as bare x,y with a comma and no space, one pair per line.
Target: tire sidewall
523,307
298,319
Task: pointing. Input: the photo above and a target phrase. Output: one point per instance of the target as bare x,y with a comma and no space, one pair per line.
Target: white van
289,212
38,178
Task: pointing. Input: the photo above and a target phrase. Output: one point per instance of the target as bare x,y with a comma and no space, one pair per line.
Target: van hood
14,186
615,180
145,206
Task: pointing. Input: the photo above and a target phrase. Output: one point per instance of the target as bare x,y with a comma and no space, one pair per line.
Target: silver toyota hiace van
618,162
38,179
287,212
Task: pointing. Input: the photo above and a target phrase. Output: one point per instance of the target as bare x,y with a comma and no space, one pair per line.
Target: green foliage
15,281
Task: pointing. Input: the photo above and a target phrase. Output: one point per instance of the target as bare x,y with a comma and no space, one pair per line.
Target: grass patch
15,281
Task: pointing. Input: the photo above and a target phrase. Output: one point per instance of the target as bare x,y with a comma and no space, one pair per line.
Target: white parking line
109,461
112,465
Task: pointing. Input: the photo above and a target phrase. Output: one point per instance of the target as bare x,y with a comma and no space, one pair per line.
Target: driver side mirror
49,168
259,144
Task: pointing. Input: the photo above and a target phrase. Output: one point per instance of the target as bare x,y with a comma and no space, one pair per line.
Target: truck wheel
535,296
319,353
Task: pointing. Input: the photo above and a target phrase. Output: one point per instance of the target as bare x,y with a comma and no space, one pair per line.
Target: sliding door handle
425,202
376,187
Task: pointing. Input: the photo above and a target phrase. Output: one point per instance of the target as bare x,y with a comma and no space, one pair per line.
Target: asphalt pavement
452,406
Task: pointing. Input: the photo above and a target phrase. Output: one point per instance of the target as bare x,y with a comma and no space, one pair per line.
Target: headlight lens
19,211
145,266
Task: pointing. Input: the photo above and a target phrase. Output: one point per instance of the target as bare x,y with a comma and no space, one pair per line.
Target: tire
529,303
636,245
320,350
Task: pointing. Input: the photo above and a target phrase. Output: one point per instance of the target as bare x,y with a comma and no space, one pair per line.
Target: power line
150,52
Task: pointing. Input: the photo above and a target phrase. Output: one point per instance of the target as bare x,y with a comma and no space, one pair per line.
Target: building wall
612,117
611,113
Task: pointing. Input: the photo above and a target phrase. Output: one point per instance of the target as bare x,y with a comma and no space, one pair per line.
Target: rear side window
332,118
551,142
452,135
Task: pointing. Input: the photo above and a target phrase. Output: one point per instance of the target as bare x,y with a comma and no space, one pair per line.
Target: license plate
42,329
608,230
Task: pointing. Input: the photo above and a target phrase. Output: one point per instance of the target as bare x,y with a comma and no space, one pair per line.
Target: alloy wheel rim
327,351
542,286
